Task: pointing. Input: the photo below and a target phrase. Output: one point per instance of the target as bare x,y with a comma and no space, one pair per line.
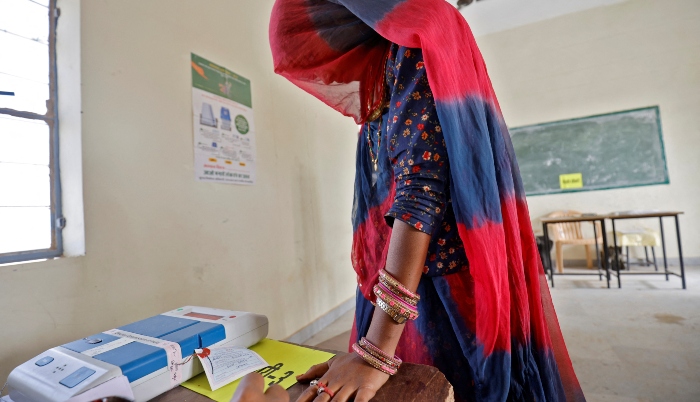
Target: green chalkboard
622,149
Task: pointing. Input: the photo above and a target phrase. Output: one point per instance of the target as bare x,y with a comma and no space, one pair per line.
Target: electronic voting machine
151,353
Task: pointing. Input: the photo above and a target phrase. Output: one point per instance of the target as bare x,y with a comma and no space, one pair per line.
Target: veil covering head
336,50
327,51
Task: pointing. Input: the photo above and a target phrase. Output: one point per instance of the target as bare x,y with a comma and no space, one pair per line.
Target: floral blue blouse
411,158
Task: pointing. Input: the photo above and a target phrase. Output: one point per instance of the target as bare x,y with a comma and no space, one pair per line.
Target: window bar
51,119
57,219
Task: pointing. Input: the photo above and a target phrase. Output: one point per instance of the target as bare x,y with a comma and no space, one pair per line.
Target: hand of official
251,390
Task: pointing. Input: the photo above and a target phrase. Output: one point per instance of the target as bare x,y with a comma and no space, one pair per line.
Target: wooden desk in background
643,215
602,266
413,382
616,255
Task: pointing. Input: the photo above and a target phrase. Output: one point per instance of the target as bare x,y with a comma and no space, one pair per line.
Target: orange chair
570,234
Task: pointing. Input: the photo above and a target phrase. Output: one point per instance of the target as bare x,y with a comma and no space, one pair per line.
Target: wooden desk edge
645,215
413,382
591,218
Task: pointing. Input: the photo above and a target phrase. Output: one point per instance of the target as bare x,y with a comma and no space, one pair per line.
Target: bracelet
396,303
368,355
393,313
379,354
373,361
408,300
398,311
396,291
400,299
392,282
375,351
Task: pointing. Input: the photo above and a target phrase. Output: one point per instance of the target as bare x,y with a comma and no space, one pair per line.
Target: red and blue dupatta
335,50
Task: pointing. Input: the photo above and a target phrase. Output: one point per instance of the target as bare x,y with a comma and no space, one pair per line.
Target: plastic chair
639,238
570,234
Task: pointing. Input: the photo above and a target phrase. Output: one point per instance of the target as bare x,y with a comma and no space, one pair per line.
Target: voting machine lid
136,359
152,354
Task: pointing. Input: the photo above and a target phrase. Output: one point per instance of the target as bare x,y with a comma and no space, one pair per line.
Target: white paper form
224,365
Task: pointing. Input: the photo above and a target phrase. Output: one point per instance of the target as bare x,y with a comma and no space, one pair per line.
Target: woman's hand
349,375
251,390
346,376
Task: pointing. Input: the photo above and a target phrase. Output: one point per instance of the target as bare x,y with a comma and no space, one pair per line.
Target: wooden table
413,382
593,218
604,267
660,215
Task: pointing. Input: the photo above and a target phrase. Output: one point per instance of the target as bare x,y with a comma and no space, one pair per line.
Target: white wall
490,16
634,54
155,238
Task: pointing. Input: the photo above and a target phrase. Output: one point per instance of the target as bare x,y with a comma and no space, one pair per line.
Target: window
30,192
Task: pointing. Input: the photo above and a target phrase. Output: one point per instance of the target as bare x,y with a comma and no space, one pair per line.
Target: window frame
51,119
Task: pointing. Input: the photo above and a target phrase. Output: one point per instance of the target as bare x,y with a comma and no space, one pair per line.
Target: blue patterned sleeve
415,144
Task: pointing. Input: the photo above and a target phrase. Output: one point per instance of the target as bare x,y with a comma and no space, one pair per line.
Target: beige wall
486,17
630,55
157,239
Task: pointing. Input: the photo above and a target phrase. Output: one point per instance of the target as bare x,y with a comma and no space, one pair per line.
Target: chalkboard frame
657,113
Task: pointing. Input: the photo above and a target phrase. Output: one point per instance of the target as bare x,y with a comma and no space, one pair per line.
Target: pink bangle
380,354
391,312
393,282
386,302
373,361
398,293
397,297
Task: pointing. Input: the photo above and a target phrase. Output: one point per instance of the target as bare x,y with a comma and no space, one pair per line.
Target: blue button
44,361
77,377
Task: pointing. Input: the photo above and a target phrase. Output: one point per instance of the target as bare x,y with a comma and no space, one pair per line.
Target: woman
448,271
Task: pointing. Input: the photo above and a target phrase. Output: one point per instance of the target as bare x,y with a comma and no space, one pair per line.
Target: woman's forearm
408,248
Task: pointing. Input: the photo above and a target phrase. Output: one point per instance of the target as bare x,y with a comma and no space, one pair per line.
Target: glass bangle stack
401,305
395,299
376,357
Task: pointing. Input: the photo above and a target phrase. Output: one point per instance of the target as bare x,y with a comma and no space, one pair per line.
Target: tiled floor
638,343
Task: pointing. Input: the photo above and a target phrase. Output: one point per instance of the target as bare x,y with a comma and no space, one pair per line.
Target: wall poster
224,131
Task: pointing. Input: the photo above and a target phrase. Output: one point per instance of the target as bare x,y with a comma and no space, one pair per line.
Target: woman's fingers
308,395
343,395
332,390
322,397
314,372
311,393
365,394
276,394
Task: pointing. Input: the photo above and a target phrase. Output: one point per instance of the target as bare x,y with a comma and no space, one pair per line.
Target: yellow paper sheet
286,362
572,180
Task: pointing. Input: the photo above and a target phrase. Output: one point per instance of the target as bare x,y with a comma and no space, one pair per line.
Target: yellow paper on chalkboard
286,362
571,180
